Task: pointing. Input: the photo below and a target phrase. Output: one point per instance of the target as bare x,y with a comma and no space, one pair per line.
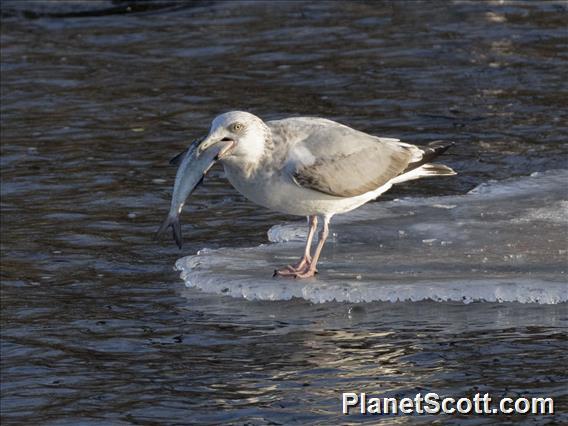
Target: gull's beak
226,145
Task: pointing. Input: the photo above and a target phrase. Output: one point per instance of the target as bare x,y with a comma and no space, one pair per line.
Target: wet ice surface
503,241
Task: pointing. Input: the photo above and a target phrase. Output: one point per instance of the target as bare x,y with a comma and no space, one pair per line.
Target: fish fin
178,158
193,145
172,221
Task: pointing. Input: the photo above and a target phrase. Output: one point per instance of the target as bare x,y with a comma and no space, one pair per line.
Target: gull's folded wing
343,162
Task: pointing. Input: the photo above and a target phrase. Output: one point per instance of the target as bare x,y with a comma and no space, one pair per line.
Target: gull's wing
334,159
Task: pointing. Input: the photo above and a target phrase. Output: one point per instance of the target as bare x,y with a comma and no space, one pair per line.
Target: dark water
98,329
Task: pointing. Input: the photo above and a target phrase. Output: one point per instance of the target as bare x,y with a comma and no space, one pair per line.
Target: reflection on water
97,327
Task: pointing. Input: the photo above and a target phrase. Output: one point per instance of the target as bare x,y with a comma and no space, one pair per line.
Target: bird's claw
303,269
306,274
289,271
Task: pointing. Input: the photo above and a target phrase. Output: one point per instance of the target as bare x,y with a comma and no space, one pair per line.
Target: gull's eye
237,127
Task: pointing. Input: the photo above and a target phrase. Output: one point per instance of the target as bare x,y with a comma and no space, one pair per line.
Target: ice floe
501,242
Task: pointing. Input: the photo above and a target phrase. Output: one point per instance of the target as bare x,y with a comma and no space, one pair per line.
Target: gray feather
340,161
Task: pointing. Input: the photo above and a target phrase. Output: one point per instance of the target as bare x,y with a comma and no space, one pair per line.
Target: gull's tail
429,152
423,167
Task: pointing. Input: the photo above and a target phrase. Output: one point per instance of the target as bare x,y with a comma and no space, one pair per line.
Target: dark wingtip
172,221
435,149
429,152
439,147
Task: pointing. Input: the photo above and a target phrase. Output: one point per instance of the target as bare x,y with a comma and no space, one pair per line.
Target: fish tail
174,222
176,232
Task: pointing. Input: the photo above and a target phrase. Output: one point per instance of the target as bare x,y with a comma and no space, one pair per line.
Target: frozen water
503,241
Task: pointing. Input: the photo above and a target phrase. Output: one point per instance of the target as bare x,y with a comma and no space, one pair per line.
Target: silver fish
192,169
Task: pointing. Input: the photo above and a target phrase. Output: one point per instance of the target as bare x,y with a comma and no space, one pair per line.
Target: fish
192,168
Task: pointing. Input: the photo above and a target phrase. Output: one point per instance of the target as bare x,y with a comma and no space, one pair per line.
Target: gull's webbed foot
303,269
304,263
287,272
306,273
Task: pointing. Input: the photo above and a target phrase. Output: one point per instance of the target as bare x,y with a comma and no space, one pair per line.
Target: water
97,327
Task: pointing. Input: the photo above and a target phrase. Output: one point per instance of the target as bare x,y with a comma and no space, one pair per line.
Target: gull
306,166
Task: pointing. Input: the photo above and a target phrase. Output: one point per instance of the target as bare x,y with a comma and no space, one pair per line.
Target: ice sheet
503,241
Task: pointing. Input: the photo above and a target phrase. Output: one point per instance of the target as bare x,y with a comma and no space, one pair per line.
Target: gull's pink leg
311,270
306,259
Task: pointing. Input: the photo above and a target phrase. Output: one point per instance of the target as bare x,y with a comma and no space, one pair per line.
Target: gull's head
246,131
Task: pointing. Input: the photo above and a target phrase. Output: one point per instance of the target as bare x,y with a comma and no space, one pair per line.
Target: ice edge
465,291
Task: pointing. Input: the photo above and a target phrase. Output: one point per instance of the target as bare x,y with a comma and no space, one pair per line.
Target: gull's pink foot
306,273
302,264
303,269
295,274
287,271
